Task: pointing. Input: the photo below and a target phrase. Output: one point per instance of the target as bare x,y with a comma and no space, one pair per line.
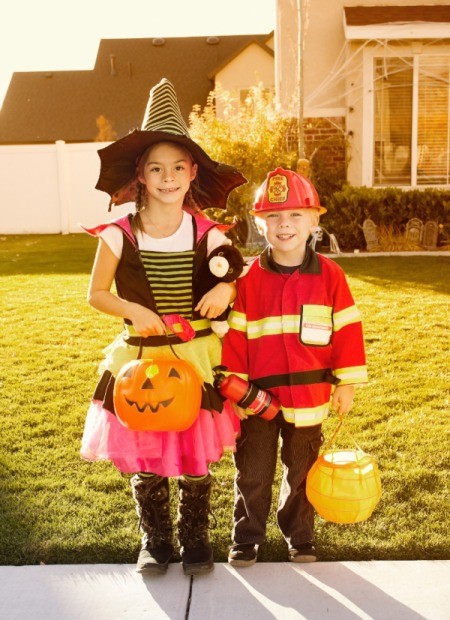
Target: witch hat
163,122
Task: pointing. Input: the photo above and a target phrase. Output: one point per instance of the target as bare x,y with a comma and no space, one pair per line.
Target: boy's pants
255,460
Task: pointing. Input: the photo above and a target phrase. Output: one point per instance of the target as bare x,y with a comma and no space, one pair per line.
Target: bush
254,137
387,206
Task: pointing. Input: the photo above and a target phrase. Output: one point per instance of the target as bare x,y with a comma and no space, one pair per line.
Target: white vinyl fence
51,189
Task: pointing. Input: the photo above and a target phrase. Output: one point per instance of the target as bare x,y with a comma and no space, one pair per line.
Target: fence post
63,187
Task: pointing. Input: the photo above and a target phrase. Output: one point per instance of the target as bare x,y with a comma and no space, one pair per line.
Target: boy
294,330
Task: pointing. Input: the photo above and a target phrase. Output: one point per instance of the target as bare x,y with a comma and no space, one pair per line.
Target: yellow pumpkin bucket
344,486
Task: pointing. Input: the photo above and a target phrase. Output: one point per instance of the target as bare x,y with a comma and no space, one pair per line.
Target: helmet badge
278,189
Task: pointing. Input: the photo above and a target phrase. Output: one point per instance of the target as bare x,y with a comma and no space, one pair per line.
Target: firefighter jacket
296,334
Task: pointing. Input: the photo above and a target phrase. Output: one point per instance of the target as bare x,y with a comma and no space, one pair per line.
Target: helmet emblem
278,189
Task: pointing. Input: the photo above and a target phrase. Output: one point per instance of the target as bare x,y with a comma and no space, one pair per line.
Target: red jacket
296,334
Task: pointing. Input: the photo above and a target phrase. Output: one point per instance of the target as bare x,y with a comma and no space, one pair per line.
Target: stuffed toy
224,264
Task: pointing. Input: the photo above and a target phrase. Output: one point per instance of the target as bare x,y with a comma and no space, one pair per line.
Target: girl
139,252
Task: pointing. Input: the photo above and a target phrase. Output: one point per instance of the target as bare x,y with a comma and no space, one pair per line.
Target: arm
349,362
217,300
100,297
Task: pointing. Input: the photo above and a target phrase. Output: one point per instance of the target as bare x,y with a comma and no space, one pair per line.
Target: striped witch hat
163,122
163,112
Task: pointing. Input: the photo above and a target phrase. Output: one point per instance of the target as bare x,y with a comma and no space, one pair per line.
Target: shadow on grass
46,254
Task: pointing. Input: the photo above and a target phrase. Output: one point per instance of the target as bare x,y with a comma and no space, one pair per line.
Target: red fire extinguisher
247,395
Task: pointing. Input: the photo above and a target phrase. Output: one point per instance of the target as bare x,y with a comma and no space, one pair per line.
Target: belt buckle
179,326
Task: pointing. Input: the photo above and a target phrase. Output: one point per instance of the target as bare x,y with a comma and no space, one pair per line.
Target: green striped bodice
170,278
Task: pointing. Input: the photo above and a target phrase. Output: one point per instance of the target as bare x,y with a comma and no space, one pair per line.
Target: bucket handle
338,428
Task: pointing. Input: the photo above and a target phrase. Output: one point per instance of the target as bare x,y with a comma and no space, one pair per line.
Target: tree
252,136
105,131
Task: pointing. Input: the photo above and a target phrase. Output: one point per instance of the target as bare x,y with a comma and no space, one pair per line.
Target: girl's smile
167,174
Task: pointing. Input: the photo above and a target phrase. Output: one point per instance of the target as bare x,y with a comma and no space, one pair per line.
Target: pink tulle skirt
169,453
164,453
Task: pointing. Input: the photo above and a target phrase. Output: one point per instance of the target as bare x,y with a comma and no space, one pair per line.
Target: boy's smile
287,233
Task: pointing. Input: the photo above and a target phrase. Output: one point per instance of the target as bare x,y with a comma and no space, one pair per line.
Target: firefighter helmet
285,189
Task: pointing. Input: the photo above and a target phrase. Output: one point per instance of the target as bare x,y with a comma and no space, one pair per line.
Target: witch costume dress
169,453
140,277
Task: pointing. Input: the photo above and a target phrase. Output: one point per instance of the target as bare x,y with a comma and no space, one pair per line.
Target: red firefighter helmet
285,189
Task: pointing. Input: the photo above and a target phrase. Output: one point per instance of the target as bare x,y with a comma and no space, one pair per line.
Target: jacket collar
310,264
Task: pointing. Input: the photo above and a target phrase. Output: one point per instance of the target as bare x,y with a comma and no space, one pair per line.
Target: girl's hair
192,198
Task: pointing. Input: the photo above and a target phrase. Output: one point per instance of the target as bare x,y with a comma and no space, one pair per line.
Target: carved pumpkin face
157,395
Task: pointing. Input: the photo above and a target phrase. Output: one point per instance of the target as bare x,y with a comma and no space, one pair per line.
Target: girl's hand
145,321
217,300
342,399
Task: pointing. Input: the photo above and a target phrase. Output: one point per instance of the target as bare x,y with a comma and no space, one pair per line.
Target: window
412,121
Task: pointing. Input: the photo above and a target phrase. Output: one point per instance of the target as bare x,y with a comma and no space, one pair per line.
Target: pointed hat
162,122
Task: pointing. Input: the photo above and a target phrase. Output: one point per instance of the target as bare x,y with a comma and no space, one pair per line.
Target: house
43,107
371,85
373,82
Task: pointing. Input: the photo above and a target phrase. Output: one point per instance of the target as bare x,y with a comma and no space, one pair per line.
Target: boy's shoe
303,553
242,554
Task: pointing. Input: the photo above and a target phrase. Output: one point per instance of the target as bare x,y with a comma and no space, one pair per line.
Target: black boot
152,506
193,524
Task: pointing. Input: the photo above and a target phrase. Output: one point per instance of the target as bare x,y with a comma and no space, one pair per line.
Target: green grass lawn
56,508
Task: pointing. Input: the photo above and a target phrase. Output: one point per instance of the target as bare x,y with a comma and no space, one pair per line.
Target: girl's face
287,233
167,173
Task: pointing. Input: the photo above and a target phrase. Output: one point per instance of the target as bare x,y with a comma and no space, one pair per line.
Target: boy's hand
241,413
217,300
342,399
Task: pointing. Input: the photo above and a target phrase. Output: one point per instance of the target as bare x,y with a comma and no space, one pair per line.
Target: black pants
255,461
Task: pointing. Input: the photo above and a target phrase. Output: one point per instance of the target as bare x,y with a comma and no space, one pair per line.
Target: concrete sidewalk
266,591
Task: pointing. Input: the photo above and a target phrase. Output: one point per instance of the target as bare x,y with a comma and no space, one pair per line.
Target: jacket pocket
316,325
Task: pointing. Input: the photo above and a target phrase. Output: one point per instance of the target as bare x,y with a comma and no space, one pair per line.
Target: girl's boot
193,524
151,494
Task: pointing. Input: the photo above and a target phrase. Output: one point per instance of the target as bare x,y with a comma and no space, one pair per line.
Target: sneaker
242,554
303,553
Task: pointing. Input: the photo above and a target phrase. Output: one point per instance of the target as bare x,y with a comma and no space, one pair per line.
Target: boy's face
287,233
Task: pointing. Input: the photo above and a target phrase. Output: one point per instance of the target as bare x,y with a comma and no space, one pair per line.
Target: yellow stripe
237,321
308,416
270,326
345,317
352,374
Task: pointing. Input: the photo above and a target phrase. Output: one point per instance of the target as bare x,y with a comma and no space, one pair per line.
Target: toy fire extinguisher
247,395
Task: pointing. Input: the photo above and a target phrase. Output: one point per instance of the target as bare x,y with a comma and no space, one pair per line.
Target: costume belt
187,330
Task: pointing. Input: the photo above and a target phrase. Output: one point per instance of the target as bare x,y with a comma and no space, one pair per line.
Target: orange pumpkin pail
157,395
344,486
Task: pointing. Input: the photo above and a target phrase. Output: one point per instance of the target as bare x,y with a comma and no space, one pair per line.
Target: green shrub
387,206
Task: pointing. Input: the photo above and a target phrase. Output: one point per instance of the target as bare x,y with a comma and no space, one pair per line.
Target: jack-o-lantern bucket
157,395
344,486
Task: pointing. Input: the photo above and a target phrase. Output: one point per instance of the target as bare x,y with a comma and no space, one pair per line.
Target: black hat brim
119,160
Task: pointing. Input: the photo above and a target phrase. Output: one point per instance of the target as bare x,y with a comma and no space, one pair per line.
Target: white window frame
368,122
